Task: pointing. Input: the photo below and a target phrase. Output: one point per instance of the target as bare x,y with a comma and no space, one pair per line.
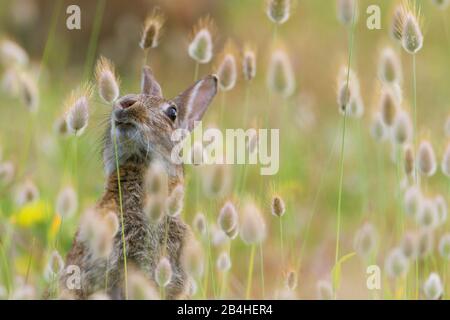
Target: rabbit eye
172,112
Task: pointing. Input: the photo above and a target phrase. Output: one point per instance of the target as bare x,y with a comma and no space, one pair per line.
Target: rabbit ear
149,85
193,102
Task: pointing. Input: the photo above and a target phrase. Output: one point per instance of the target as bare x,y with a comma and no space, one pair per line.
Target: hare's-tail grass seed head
325,290
425,243
432,287
284,293
397,91
223,263
249,62
396,28
151,32
278,11
26,192
345,11
201,44
98,232
10,82
97,296
77,107
228,217
107,82
403,128
413,201
426,159
291,280
66,202
111,222
140,287
344,96
388,106
193,259
60,127
163,272
353,80
442,209
365,241
7,171
191,287
218,237
102,243
445,164
280,76
29,92
199,224
412,37
156,180
356,108
389,66
21,290
444,247
174,203
397,265
441,4
55,266
12,54
348,93
252,143
226,69
216,180
378,130
155,208
409,162
233,233
252,226
24,292
278,207
428,219
408,245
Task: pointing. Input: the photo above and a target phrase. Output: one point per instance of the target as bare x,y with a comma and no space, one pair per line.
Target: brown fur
144,137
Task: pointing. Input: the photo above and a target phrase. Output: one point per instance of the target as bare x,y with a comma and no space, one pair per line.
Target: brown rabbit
143,126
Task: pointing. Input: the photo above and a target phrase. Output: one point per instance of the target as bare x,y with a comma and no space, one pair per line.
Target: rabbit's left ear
149,85
193,102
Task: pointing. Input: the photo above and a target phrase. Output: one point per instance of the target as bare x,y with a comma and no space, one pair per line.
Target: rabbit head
143,123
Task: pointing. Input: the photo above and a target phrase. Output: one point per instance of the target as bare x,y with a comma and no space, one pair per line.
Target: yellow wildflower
30,214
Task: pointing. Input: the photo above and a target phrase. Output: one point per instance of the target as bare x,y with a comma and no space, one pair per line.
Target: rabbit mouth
123,121
125,125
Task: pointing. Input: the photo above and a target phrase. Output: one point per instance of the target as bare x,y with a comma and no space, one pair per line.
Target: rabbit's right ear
193,102
149,85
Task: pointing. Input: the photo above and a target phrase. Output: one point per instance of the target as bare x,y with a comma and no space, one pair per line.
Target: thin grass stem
341,175
93,40
30,258
416,178
121,214
6,272
261,258
250,272
282,242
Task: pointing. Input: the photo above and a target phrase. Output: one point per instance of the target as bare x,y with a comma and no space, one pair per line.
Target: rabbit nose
127,103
